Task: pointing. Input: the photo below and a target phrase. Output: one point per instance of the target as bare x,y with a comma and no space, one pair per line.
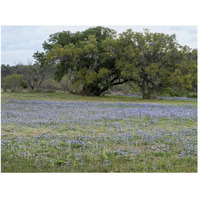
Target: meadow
60,132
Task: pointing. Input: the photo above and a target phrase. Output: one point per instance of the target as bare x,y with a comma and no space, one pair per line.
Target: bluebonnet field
49,136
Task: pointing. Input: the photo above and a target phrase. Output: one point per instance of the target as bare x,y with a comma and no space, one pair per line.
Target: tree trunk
91,90
146,94
143,90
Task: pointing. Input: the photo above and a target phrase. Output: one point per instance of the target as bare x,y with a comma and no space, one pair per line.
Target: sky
19,43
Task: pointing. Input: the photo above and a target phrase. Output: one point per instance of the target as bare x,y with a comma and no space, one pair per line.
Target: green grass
60,96
29,150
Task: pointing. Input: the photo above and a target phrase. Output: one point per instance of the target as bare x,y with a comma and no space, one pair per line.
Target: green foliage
13,82
39,56
50,84
150,57
24,85
172,93
4,87
83,60
90,78
98,60
33,75
190,95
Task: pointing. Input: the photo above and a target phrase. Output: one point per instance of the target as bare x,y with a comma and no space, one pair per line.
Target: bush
12,82
68,84
4,87
189,95
169,92
50,84
24,85
175,94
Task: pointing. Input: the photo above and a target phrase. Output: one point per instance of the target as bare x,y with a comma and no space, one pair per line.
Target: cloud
20,42
14,57
193,31
176,28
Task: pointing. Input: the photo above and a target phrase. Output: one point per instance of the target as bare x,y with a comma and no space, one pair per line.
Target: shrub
190,95
24,85
13,82
68,84
169,92
50,84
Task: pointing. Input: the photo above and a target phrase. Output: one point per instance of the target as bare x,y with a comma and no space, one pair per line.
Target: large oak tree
97,59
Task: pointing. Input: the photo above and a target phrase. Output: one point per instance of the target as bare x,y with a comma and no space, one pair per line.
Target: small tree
65,83
50,85
35,76
13,81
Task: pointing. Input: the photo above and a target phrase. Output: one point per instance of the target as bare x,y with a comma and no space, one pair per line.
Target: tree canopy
98,58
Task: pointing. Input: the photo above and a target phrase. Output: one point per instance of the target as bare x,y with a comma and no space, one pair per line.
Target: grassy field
61,96
60,132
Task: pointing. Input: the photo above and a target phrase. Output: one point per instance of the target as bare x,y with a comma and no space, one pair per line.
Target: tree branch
118,83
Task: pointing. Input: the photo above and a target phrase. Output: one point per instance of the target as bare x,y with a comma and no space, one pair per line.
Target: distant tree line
31,77
96,60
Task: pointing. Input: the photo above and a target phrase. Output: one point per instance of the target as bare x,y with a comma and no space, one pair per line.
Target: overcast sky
18,43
